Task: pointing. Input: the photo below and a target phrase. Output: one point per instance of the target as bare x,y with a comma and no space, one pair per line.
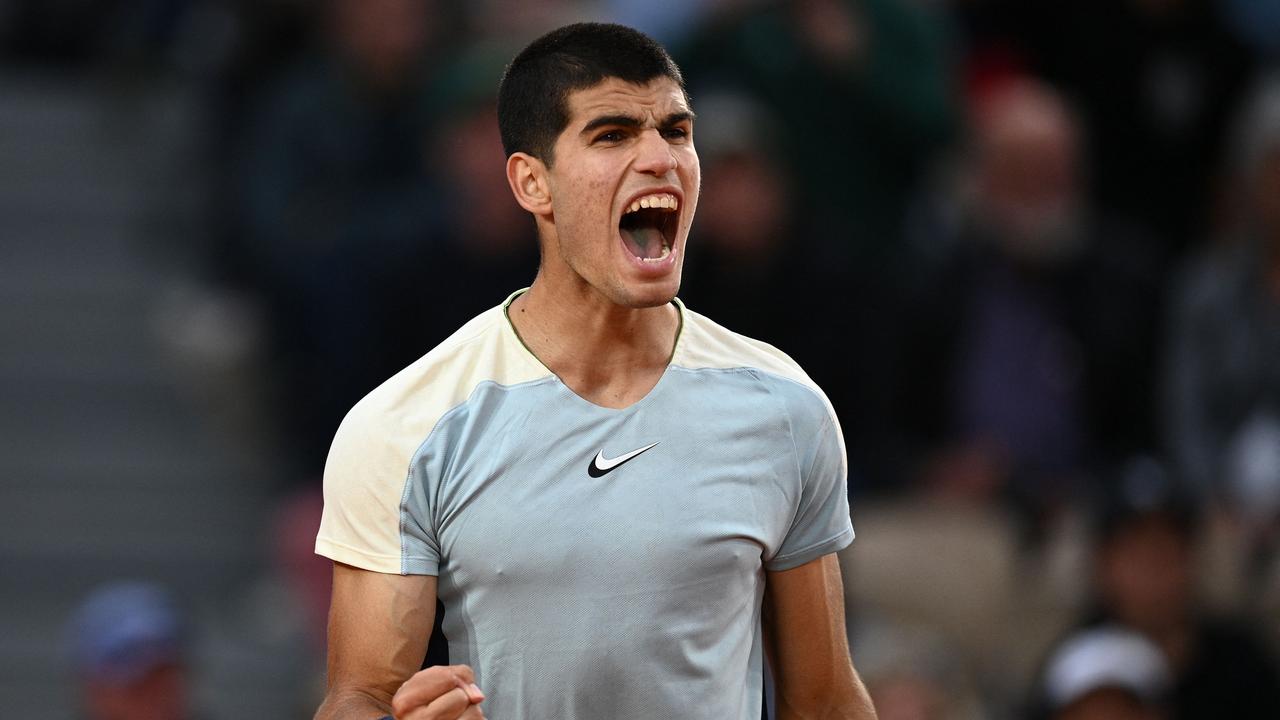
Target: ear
527,176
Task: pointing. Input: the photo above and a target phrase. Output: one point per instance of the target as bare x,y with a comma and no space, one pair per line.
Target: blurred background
1031,250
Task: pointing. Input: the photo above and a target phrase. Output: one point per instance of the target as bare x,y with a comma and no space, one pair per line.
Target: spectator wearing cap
127,645
1107,673
1144,579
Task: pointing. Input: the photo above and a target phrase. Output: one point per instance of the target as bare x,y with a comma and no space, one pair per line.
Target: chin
648,294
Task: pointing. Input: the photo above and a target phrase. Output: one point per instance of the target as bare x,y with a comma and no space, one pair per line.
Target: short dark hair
533,98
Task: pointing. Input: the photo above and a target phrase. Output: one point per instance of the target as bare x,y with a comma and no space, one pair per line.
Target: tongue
643,241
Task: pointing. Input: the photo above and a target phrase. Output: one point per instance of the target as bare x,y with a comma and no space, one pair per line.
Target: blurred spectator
742,258
1223,383
486,244
863,102
862,90
267,36
1156,82
337,212
912,674
1032,350
1144,578
127,646
1107,673
746,266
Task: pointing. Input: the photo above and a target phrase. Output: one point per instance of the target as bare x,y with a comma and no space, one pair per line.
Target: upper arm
379,625
820,522
807,645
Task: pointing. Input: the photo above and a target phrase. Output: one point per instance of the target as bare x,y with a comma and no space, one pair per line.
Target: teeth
666,252
664,201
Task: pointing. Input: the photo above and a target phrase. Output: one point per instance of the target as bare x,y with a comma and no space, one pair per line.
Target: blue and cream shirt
593,563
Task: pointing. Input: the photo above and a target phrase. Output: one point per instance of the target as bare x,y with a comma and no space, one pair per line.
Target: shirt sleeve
821,523
366,482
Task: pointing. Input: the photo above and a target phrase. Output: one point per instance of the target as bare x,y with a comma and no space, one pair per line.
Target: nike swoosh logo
601,465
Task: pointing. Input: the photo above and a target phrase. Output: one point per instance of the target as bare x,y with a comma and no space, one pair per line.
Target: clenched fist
443,692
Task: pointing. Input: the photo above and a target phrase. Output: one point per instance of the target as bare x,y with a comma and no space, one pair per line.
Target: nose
654,155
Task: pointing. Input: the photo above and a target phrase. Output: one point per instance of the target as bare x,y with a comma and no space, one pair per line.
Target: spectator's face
1145,574
603,166
1107,704
383,37
472,153
1028,173
745,211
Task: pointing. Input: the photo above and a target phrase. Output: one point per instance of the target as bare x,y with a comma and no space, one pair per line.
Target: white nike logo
601,464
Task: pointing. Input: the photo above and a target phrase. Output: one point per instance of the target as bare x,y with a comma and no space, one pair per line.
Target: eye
611,136
676,133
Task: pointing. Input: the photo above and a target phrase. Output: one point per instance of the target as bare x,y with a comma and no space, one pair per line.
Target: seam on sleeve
403,509
799,557
389,564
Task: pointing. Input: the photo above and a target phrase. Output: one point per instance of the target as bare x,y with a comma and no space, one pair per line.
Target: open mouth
648,226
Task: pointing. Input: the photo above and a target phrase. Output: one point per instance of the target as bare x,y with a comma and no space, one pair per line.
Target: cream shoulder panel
368,464
706,344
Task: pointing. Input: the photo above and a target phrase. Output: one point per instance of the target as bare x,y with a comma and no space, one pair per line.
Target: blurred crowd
1031,251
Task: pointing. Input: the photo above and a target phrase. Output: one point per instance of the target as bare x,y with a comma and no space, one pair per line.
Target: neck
608,354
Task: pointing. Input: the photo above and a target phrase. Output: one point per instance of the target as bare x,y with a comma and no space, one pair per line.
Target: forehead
656,99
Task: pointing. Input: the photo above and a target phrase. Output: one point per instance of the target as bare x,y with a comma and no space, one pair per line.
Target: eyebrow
631,121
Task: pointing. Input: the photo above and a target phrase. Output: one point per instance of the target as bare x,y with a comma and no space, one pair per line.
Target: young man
610,494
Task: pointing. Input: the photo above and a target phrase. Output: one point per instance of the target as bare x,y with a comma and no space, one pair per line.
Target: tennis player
620,505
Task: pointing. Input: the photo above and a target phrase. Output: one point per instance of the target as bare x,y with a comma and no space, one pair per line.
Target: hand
443,692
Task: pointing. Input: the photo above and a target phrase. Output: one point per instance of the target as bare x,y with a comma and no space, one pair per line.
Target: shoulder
368,471
707,346
402,411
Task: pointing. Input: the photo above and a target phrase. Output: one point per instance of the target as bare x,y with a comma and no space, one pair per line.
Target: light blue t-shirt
594,563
